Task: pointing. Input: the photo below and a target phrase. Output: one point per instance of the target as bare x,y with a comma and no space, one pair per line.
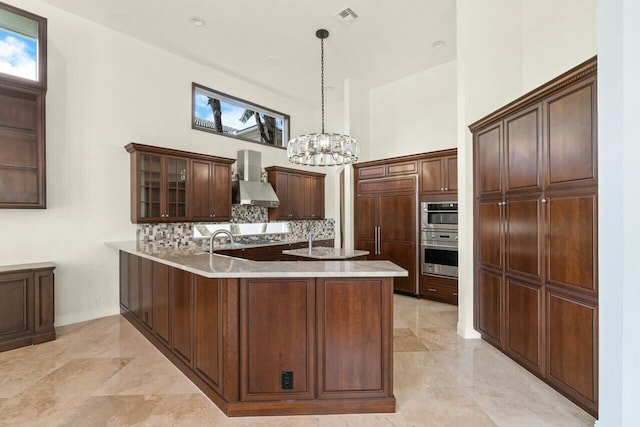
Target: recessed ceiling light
438,44
197,21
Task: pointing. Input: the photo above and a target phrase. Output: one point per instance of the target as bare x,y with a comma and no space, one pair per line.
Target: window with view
217,112
20,50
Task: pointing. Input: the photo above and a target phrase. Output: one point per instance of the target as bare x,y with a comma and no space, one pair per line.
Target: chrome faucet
310,241
215,234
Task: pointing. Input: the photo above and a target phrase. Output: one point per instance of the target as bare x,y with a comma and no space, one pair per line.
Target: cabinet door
44,291
181,315
571,255
150,187
296,196
161,303
489,305
366,221
176,173
268,307
318,198
571,135
124,280
432,176
524,238
207,331
221,194
523,158
398,228
489,229
16,306
524,323
201,190
488,161
452,174
354,337
146,292
572,346
134,286
280,183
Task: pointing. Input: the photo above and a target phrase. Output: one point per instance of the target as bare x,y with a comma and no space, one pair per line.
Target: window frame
286,128
41,83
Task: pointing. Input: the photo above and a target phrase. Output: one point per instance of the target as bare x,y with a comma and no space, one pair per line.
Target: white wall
414,115
619,211
556,36
105,90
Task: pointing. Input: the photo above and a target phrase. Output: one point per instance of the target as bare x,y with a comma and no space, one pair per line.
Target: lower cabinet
524,323
267,346
572,344
489,299
26,305
276,364
438,288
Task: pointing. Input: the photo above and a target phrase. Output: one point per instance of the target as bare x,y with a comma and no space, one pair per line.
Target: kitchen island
267,337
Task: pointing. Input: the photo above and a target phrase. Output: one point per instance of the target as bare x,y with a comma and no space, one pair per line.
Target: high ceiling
272,43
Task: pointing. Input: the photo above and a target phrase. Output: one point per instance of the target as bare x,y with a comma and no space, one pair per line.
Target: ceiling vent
348,16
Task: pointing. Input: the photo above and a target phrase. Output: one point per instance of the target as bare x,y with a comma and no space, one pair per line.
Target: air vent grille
347,15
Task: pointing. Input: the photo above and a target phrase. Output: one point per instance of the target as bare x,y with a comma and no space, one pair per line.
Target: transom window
217,112
22,45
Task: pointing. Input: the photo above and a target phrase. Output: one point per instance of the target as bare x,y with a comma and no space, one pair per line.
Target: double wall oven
439,238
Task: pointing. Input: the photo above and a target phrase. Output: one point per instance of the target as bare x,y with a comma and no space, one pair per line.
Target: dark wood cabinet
379,206
301,193
211,191
267,308
438,288
439,175
536,232
146,292
22,147
162,303
26,305
177,186
271,346
181,314
130,283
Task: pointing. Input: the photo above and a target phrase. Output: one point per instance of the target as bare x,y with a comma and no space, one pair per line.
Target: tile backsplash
181,234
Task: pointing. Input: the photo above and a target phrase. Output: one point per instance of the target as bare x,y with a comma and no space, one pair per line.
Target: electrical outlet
287,380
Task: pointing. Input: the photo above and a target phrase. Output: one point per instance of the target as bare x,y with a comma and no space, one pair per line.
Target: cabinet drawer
439,292
404,168
371,172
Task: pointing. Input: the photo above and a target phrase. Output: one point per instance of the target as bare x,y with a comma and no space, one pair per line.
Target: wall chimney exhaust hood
249,188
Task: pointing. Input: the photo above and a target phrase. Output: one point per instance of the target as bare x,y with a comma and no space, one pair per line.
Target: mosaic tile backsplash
181,234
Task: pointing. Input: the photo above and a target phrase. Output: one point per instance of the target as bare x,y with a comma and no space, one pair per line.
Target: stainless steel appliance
439,238
439,215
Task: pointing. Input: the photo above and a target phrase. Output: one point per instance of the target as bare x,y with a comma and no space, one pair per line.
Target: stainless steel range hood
249,189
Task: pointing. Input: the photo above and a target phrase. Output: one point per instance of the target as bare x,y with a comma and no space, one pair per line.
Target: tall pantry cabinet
536,287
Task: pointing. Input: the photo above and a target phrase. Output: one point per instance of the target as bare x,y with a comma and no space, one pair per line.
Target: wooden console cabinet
269,346
536,217
26,305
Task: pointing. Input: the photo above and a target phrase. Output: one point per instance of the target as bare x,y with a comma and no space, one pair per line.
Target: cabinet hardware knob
446,188
544,200
432,290
455,294
441,188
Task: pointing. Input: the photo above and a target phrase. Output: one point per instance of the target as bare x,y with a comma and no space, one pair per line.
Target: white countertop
325,253
221,266
30,266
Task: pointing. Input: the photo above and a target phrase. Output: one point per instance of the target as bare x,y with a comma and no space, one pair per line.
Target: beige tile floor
104,373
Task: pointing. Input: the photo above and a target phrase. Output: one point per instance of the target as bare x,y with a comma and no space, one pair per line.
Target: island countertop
221,266
325,253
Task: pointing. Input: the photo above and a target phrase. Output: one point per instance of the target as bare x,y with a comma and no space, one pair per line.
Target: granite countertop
325,253
222,266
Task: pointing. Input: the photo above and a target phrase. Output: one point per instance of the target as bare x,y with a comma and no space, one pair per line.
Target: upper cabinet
301,193
177,186
439,175
23,90
548,145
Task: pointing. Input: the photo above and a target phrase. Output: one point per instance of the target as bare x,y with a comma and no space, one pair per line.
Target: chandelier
322,149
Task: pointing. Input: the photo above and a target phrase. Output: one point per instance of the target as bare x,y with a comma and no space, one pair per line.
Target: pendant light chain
322,78
322,149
